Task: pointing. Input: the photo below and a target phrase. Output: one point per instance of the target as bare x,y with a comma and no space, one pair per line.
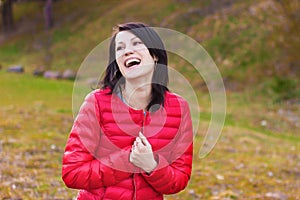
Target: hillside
257,155
241,36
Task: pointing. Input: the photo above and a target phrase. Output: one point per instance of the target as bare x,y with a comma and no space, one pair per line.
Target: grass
22,90
248,161
33,133
27,10
244,165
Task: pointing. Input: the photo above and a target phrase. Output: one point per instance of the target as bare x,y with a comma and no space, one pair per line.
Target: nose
128,50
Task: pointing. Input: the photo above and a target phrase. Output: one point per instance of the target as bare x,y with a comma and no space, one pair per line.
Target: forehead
124,36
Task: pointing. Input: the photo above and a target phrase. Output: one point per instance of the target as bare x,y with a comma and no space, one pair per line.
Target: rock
270,174
13,186
53,147
52,74
16,69
69,74
220,177
240,166
39,71
194,194
263,123
277,195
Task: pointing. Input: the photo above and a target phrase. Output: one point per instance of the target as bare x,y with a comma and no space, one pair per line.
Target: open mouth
132,62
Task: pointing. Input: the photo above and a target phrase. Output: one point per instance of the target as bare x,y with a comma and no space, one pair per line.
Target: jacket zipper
143,121
134,187
142,130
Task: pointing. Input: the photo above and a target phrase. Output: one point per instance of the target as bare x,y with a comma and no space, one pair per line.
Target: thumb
144,139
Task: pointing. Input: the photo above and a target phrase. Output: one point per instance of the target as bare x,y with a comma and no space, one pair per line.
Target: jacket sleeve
172,178
80,168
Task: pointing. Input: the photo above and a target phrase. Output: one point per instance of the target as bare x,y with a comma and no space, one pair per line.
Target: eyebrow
130,39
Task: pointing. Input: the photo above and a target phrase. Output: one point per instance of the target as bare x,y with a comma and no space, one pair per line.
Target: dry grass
250,161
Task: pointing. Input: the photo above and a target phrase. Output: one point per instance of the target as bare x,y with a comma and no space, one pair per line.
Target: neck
137,95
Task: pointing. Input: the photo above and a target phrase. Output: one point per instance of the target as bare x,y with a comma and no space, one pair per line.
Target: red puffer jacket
96,158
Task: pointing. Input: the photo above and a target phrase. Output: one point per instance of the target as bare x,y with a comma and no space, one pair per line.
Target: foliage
285,88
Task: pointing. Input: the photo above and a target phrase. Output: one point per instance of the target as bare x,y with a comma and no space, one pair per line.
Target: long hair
156,49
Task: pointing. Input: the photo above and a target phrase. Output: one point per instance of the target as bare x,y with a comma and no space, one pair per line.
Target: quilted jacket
96,157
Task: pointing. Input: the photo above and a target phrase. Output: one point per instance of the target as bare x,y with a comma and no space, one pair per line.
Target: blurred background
255,45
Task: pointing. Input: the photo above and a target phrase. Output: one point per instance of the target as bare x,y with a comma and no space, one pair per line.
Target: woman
132,139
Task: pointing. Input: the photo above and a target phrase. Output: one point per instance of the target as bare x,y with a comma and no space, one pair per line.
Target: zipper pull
143,122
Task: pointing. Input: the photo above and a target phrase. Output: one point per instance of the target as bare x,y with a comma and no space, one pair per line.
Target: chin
137,74
132,76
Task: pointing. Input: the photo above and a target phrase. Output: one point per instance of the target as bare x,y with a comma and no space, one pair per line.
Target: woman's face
133,57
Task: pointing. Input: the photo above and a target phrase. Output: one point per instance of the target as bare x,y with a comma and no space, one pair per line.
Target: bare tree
48,14
7,15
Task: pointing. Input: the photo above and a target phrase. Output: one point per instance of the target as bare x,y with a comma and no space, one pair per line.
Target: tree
48,14
7,15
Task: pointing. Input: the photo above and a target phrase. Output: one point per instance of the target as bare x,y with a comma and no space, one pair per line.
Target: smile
132,62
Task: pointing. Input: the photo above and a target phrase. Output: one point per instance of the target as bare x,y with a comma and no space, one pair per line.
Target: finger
141,135
138,140
136,146
143,150
144,139
130,157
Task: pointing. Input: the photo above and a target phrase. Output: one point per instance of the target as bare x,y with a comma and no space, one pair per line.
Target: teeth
131,62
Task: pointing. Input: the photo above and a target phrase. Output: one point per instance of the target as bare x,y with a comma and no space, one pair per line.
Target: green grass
10,50
20,90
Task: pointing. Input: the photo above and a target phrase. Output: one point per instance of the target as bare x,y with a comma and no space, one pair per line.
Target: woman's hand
141,154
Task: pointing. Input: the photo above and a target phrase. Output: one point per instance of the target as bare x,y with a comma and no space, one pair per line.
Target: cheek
118,54
146,55
121,67
119,62
149,59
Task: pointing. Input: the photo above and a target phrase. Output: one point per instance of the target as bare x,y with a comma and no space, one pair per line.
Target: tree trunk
7,15
48,14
